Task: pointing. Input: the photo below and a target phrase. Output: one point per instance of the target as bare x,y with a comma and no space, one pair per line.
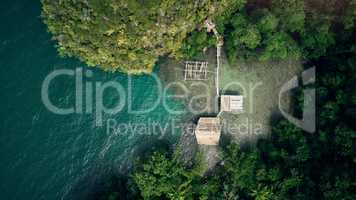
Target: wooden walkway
211,27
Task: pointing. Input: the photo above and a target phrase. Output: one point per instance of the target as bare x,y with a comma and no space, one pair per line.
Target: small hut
208,131
231,103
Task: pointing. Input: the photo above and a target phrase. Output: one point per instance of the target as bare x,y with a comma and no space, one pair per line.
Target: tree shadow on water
105,182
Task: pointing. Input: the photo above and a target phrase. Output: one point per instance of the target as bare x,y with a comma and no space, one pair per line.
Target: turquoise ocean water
49,156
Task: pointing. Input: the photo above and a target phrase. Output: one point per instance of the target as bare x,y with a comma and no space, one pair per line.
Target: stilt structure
195,70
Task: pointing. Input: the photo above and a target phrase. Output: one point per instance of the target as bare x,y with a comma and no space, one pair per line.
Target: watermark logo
308,122
89,98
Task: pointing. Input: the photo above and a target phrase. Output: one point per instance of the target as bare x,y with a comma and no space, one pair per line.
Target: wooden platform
231,103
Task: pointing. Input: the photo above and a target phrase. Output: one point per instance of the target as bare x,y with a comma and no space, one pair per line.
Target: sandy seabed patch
260,83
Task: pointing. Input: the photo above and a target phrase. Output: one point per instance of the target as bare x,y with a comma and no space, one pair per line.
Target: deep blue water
49,156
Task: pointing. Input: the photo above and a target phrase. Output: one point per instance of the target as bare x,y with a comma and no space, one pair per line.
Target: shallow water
50,156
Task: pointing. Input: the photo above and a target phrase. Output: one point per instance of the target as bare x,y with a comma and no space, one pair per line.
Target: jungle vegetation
125,35
130,36
278,29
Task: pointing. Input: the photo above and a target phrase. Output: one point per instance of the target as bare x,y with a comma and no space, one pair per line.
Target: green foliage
287,29
279,46
266,172
250,37
268,23
266,33
130,36
195,43
124,35
198,40
317,38
167,178
291,13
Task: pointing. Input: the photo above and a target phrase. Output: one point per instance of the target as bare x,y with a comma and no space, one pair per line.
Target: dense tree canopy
280,29
166,177
125,35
